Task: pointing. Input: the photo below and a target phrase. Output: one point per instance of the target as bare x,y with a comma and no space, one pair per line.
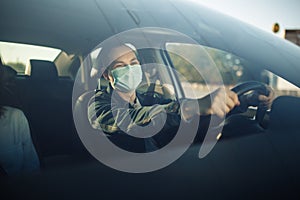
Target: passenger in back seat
17,152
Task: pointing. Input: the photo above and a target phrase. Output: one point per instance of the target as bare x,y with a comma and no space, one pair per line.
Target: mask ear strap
99,84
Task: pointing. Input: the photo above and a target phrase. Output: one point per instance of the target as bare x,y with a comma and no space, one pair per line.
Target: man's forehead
110,54
120,51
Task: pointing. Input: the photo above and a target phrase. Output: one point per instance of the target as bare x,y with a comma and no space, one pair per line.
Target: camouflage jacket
151,114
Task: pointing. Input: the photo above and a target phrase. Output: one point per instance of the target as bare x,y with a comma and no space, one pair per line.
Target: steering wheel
258,87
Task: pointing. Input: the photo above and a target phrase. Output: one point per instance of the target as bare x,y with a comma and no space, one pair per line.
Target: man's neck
127,96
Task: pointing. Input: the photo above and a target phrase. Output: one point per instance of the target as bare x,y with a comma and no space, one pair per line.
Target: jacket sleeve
112,118
30,159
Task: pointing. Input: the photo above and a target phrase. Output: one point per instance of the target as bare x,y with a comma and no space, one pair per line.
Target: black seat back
49,109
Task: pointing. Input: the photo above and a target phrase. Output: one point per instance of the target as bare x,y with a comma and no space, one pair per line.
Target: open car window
201,67
281,86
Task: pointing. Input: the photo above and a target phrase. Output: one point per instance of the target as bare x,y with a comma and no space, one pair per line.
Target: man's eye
134,63
116,66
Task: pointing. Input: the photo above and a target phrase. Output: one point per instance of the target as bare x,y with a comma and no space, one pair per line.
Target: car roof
78,26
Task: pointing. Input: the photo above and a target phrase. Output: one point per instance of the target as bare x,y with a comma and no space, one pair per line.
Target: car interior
257,154
47,102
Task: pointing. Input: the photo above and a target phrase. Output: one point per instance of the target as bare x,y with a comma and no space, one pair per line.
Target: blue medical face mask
127,78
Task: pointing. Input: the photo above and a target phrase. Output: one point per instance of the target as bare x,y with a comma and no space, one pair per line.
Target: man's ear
105,75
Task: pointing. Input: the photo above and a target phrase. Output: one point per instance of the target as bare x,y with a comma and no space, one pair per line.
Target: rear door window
18,55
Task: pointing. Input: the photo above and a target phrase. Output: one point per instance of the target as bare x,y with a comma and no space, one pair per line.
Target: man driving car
130,118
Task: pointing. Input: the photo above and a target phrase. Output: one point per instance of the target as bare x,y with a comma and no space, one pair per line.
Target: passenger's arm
31,161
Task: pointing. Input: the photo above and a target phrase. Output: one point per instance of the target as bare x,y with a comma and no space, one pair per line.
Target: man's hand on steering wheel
256,98
267,100
219,102
223,101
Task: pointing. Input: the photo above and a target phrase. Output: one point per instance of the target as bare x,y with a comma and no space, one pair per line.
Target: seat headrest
42,70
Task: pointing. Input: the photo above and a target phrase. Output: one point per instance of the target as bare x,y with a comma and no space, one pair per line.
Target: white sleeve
30,158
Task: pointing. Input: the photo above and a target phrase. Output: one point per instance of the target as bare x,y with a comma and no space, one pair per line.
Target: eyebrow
121,62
